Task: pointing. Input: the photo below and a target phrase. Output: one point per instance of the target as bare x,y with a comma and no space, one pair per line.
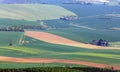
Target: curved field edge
55,39
45,60
60,52
38,49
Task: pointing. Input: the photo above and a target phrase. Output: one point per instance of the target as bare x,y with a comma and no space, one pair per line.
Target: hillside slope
32,12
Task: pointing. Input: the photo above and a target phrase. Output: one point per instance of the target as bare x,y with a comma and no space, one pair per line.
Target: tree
10,44
100,42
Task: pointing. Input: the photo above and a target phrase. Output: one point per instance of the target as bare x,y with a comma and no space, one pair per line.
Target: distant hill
33,12
88,2
31,1
19,1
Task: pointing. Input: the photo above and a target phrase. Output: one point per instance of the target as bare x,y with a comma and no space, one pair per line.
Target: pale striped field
33,12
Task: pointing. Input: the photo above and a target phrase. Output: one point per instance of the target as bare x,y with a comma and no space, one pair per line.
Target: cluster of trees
35,27
69,18
59,69
100,42
12,28
21,28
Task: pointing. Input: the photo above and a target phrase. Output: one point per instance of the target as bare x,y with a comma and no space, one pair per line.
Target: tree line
59,69
12,28
21,28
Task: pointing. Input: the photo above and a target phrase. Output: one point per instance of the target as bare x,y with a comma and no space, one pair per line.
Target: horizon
108,2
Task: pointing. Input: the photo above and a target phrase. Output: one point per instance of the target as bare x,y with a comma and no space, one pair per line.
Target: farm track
47,60
54,39
20,40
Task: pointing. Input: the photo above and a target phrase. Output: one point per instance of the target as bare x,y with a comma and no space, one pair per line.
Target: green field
67,52
9,37
115,44
12,22
32,48
4,65
85,36
33,12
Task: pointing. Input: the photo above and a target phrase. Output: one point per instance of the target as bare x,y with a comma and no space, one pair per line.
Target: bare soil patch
47,60
55,39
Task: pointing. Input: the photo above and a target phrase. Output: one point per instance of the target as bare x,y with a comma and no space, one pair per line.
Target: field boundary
48,60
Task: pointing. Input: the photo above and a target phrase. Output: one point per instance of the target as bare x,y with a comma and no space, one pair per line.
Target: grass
32,48
21,49
39,49
95,54
4,22
115,44
86,36
9,37
67,52
32,12
8,65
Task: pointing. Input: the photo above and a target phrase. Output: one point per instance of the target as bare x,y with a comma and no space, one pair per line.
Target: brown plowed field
46,60
54,39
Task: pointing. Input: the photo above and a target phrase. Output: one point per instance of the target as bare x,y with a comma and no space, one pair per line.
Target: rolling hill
27,47
33,12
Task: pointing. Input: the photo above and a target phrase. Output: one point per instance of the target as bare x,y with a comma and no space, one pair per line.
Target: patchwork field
27,47
33,12
62,41
54,39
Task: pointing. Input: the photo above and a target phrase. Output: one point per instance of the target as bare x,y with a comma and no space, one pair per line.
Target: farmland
81,52
39,49
5,40
27,47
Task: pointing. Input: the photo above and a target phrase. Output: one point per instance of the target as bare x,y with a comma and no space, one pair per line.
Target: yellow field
33,12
